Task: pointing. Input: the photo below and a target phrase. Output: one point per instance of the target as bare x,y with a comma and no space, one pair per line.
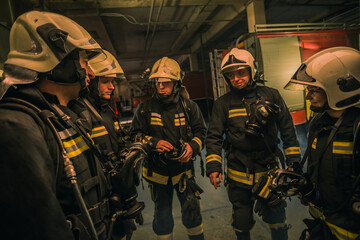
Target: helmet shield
41,40
166,68
237,59
335,70
106,67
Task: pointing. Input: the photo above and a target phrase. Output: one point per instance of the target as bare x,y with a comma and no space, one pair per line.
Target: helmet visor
299,79
96,55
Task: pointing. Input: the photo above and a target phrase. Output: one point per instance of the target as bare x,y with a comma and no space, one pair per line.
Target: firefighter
332,189
176,130
51,181
109,136
250,116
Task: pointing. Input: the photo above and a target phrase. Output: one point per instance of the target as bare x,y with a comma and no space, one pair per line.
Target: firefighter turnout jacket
157,121
37,196
249,156
332,169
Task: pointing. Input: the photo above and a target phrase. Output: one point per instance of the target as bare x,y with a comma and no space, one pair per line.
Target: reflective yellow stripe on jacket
198,141
157,178
75,147
313,145
343,148
213,157
291,151
175,180
156,119
98,132
243,177
340,233
237,112
179,119
116,125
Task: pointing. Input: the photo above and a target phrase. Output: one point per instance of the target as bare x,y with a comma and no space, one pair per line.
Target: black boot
242,235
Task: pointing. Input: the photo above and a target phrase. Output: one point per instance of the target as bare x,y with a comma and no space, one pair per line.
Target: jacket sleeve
214,138
198,128
287,132
140,125
27,182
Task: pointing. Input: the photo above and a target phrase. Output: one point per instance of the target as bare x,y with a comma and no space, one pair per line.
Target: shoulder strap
331,135
186,109
40,117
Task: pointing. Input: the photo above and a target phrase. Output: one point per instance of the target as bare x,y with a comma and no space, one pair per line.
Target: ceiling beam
95,26
70,4
151,54
220,27
198,17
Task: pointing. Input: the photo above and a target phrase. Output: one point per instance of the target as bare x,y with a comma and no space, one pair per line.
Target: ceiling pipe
154,28
149,22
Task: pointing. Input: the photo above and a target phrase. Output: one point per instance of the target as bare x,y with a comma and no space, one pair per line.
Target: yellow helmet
108,67
39,41
166,68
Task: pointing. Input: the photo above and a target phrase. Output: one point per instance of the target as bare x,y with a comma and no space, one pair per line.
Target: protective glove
288,183
191,206
262,205
262,187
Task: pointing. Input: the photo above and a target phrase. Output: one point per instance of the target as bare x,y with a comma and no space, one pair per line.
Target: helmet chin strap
320,109
174,91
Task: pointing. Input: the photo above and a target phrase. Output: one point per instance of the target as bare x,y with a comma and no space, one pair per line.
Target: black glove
262,187
191,191
306,188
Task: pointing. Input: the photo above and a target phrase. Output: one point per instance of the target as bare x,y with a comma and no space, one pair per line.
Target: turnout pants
163,222
243,218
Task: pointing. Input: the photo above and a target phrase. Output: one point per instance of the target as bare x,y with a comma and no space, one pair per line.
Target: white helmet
337,71
237,59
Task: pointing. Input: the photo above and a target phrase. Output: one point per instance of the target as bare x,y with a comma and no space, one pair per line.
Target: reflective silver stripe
213,157
198,141
175,180
67,133
158,178
237,112
179,115
343,148
195,230
292,150
313,145
155,115
240,176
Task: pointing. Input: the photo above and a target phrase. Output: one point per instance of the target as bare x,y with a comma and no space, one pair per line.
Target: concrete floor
216,212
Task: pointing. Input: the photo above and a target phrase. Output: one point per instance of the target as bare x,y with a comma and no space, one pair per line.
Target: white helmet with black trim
335,70
237,59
